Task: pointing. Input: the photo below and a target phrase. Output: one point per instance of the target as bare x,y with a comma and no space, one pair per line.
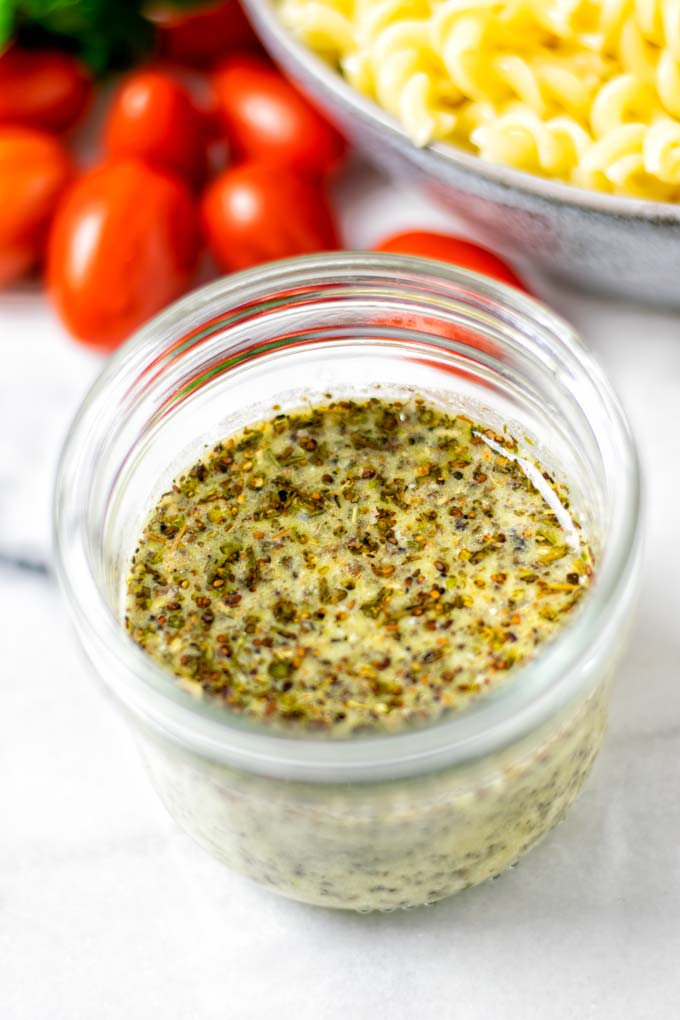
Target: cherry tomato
253,213
153,117
266,118
124,244
456,250
202,36
35,168
42,88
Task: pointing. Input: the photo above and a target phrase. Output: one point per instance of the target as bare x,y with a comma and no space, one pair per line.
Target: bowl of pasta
550,127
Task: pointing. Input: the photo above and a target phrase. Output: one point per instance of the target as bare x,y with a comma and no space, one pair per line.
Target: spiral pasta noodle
578,90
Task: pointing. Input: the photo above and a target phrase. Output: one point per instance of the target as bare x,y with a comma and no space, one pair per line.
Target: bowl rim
272,29
142,685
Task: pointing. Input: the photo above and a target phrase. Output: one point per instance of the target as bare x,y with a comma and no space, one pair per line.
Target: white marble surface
107,911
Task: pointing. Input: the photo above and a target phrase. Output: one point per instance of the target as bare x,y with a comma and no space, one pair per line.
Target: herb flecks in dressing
359,565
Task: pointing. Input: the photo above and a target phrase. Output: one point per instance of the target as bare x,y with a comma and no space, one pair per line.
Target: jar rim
539,686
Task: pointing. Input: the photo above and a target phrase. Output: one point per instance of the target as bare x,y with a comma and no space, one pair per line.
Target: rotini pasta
586,91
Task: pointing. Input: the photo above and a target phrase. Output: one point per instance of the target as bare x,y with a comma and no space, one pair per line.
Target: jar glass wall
381,821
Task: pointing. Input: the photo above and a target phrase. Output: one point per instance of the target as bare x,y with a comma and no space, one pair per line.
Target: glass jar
383,821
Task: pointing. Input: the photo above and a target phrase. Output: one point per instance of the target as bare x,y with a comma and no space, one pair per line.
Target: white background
107,911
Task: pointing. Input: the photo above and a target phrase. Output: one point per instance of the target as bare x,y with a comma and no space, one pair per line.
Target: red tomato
35,168
266,118
42,88
153,117
202,36
253,213
447,248
124,244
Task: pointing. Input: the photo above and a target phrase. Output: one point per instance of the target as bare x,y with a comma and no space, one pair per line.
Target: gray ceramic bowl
621,246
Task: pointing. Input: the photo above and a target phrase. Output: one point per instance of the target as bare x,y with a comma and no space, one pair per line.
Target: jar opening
334,323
